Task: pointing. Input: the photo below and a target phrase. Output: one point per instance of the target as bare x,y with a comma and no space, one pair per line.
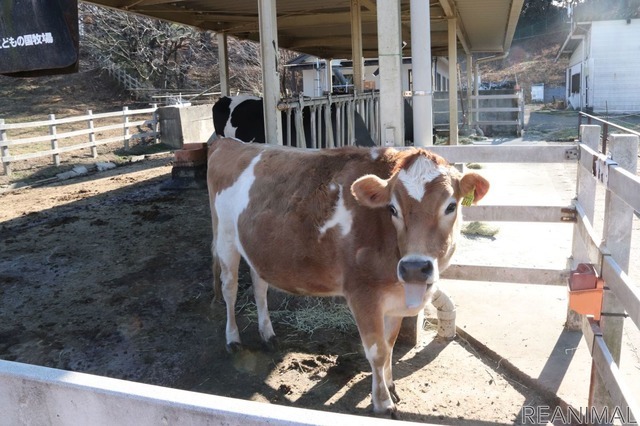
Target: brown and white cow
376,226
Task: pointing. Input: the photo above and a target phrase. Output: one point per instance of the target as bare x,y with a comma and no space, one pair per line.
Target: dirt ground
109,274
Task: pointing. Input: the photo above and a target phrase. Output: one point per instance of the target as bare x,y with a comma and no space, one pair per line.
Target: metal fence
320,109
54,143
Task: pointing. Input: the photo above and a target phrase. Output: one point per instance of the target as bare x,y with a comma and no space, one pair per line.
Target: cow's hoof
271,345
234,347
393,413
394,395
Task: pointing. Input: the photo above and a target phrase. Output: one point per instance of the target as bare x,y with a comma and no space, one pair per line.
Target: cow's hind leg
229,261
217,283
260,288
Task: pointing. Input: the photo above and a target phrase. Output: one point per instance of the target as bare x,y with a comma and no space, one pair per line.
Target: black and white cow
241,117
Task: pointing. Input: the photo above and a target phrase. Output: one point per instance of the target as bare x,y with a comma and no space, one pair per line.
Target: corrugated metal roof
323,27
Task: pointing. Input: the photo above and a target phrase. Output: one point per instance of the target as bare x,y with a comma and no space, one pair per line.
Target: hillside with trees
542,28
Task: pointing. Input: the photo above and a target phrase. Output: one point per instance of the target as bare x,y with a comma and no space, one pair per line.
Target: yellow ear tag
468,199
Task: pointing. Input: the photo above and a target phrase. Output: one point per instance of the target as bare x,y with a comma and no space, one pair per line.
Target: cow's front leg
391,330
260,288
372,333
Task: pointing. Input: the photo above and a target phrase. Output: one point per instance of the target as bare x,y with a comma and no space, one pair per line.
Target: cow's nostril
427,269
415,270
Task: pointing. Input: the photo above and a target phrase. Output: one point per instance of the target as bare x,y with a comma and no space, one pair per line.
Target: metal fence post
586,196
92,135
4,150
618,221
54,140
125,119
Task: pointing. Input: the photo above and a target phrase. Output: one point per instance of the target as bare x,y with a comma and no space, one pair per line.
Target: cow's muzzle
417,270
417,274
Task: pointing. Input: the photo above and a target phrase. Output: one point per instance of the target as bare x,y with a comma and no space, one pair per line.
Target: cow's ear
371,191
476,183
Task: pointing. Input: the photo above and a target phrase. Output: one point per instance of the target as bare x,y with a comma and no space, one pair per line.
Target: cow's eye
393,210
450,208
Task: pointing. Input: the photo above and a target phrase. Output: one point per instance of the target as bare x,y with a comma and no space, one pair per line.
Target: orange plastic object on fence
585,291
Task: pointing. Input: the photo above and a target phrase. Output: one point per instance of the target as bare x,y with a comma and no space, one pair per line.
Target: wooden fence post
154,125
4,150
92,135
586,196
125,119
54,140
618,223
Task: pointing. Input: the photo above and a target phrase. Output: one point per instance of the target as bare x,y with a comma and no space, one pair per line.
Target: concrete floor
524,324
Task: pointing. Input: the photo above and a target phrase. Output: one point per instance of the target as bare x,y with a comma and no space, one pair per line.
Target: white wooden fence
57,143
609,252
483,114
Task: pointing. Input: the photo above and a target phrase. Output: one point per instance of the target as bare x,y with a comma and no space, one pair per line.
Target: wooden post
586,196
223,63
618,223
54,140
125,120
92,135
390,61
4,150
270,77
453,82
154,124
356,46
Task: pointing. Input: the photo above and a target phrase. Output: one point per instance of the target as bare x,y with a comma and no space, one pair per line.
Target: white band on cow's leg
229,262
260,288
446,314
378,355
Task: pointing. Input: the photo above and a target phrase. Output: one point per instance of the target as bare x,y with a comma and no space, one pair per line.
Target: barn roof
323,27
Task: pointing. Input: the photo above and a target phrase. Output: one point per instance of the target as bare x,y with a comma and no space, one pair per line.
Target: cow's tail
215,261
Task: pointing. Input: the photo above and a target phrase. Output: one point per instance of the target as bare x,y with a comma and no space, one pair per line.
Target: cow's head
422,199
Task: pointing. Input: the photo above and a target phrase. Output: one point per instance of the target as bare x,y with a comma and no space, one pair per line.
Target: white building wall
614,84
310,79
575,67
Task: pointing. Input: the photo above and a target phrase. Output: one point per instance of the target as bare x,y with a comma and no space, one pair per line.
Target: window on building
575,83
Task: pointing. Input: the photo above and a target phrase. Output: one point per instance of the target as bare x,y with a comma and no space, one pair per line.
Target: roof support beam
270,77
421,66
450,10
356,46
390,62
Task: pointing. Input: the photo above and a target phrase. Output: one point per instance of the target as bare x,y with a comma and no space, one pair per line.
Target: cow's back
299,220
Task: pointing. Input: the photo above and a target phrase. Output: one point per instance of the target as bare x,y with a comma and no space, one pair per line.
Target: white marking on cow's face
341,217
375,153
421,172
332,187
